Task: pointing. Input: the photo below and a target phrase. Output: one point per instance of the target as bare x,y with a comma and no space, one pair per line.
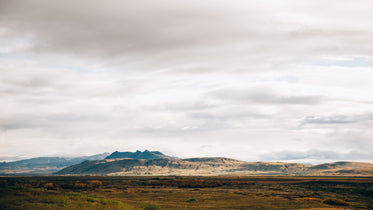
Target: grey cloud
185,128
43,120
168,34
265,96
183,106
146,29
19,79
31,81
358,140
206,146
11,158
316,154
125,72
337,119
227,115
199,116
348,62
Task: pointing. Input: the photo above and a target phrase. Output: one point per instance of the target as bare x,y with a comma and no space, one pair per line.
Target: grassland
169,192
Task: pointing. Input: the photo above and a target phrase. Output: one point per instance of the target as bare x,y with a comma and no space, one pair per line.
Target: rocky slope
211,166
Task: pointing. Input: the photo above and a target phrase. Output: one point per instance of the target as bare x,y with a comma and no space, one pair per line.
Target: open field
171,192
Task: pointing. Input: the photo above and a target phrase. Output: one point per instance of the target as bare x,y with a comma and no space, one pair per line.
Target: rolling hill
43,165
157,163
211,166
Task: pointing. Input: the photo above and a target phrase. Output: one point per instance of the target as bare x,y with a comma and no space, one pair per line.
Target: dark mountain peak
148,155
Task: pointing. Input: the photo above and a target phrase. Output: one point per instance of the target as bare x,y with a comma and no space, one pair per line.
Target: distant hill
147,155
128,166
340,165
157,163
211,166
43,165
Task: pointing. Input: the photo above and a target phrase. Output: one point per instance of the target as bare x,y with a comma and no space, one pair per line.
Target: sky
257,80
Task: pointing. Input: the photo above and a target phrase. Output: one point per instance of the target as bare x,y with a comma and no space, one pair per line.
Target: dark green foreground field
225,192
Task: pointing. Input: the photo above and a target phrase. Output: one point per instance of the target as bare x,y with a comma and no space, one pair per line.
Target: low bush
27,185
335,201
80,186
67,186
95,183
49,186
310,199
149,206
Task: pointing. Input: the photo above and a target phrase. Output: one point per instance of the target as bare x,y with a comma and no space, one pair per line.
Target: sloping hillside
43,165
344,168
209,166
156,166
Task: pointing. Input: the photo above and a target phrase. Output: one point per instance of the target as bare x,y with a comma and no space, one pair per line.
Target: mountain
43,165
211,166
147,155
340,165
157,163
127,166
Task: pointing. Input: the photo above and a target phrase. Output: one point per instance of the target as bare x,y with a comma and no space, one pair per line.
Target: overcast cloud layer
252,80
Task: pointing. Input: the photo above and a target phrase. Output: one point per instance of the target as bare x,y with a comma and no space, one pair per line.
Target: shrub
149,206
288,197
18,187
3,183
67,186
49,186
27,185
335,201
95,183
79,185
309,199
191,200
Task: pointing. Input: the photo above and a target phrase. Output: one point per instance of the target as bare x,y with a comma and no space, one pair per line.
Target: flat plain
186,192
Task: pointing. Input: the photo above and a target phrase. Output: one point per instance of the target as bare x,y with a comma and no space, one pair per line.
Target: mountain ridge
157,163
210,166
147,155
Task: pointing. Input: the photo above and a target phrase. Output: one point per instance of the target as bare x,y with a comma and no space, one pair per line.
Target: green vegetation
53,199
172,192
149,206
191,200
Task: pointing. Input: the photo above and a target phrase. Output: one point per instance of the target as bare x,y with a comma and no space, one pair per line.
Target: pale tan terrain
213,166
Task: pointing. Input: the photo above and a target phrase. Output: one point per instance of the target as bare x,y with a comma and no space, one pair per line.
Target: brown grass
95,183
310,199
178,193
